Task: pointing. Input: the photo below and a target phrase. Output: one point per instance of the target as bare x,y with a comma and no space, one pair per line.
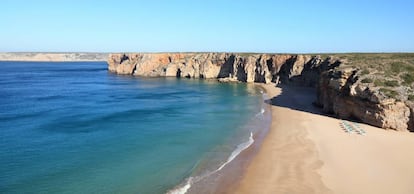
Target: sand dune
307,152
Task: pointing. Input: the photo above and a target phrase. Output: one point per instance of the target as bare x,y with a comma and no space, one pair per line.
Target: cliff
264,68
374,88
53,57
343,85
342,93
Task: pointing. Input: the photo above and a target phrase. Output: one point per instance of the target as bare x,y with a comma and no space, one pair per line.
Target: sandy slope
306,152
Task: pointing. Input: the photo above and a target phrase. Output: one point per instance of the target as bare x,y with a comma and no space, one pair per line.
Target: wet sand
308,152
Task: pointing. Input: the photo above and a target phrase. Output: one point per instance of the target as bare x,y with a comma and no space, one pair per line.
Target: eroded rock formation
341,92
263,68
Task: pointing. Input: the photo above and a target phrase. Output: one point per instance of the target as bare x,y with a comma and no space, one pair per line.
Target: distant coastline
53,57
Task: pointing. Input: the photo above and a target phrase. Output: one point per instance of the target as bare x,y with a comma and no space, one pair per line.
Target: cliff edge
350,86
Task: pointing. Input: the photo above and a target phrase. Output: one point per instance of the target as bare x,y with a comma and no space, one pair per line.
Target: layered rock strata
263,68
341,92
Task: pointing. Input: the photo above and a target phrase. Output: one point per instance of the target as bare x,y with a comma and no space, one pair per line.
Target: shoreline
231,169
306,151
287,161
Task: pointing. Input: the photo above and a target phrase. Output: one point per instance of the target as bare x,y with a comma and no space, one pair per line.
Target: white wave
183,189
237,151
241,147
261,112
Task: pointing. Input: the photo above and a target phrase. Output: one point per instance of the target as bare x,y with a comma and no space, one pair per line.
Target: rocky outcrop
263,68
341,92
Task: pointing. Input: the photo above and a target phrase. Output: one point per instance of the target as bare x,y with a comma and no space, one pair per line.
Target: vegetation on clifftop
390,73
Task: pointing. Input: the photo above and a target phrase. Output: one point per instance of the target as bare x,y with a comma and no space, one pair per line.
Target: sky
271,26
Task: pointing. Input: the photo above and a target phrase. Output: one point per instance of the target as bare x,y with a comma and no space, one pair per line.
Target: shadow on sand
303,99
297,98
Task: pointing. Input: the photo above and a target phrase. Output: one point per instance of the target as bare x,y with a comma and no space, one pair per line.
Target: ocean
73,127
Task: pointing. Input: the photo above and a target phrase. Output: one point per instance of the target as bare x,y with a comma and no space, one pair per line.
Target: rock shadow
309,75
303,99
297,98
411,121
227,68
241,73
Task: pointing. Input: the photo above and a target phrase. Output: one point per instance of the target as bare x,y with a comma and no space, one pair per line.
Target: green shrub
379,82
367,80
397,67
388,92
387,83
409,68
391,83
365,72
408,78
411,97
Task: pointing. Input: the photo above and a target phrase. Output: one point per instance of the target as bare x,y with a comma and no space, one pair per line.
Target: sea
74,127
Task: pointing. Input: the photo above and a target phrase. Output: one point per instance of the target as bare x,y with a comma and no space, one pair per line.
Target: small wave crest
262,111
237,151
183,188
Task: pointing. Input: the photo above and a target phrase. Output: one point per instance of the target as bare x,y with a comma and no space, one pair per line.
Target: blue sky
294,26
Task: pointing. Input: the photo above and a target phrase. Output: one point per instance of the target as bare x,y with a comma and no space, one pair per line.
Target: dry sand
307,152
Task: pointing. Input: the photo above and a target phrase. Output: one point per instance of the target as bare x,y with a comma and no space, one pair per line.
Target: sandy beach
306,151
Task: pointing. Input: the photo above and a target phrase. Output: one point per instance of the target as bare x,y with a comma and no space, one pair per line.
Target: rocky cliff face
340,89
263,68
341,92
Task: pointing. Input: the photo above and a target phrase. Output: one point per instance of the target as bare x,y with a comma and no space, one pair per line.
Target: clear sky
289,26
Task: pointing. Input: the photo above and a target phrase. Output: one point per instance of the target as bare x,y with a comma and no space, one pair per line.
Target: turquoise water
75,128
